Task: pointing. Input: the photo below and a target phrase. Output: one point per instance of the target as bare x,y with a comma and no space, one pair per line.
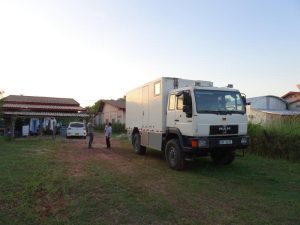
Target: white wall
294,106
111,113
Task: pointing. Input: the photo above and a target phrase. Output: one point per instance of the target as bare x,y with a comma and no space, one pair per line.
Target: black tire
223,157
136,144
174,155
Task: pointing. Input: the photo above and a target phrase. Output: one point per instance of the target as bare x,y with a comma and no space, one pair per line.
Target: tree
1,102
123,98
94,108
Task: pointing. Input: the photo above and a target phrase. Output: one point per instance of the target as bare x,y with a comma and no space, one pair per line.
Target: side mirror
244,99
187,109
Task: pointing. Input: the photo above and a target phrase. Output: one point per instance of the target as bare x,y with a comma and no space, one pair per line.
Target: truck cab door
183,116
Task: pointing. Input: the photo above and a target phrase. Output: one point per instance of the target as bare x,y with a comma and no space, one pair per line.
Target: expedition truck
187,118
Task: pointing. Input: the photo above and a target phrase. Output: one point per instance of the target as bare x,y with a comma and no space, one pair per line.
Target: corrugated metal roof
48,114
282,112
41,100
41,107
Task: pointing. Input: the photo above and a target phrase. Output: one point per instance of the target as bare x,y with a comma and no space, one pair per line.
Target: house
113,111
293,99
267,109
39,112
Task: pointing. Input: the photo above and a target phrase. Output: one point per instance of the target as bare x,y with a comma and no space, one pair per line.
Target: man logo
224,129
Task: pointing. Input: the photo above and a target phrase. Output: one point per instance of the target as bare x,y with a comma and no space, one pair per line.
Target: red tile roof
40,100
291,93
42,107
31,105
121,104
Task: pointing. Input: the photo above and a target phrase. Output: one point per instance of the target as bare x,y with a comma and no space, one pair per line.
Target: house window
172,102
157,89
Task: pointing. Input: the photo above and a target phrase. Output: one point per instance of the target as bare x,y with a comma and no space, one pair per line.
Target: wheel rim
172,156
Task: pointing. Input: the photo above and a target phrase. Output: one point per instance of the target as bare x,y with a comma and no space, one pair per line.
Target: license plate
225,142
76,134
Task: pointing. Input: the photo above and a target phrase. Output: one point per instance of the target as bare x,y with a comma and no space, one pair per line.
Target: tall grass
280,139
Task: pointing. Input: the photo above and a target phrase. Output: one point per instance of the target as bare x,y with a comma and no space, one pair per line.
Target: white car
76,129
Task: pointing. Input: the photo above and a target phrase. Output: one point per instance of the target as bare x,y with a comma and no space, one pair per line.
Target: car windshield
218,102
77,125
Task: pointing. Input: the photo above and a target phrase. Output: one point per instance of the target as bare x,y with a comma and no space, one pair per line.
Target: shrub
116,128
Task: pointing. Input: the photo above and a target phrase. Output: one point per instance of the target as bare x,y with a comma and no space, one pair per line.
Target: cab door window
172,101
180,102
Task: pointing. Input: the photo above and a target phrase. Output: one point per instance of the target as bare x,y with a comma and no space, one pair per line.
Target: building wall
294,106
256,116
112,114
98,119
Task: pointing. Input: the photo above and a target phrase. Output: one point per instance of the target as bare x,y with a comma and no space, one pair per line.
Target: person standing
108,132
90,131
53,126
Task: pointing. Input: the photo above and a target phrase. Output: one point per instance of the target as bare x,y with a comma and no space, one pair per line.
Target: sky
101,49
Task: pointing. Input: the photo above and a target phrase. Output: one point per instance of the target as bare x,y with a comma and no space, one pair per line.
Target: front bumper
229,142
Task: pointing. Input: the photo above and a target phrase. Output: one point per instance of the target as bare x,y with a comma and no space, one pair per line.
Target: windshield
211,101
77,125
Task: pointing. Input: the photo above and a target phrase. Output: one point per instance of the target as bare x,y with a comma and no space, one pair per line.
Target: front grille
223,129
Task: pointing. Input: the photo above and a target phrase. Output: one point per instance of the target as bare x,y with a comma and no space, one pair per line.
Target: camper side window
172,102
157,89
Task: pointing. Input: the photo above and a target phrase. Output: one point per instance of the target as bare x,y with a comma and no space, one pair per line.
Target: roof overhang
46,114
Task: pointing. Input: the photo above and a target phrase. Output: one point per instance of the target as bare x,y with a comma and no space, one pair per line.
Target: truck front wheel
223,157
174,155
136,144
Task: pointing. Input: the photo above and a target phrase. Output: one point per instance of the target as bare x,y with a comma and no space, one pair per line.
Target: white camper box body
147,110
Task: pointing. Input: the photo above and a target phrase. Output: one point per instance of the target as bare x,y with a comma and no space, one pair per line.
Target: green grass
36,188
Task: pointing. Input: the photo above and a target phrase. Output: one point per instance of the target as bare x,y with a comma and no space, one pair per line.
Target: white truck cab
186,118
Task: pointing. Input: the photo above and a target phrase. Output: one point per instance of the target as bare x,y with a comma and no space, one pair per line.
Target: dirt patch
49,204
77,155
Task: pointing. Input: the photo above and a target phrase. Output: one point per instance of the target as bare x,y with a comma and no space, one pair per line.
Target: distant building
40,111
293,99
266,109
113,111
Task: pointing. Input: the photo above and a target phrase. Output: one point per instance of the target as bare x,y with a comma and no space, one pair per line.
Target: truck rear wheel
223,157
174,155
136,144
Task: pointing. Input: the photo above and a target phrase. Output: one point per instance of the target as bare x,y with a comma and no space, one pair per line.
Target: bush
116,128
278,140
